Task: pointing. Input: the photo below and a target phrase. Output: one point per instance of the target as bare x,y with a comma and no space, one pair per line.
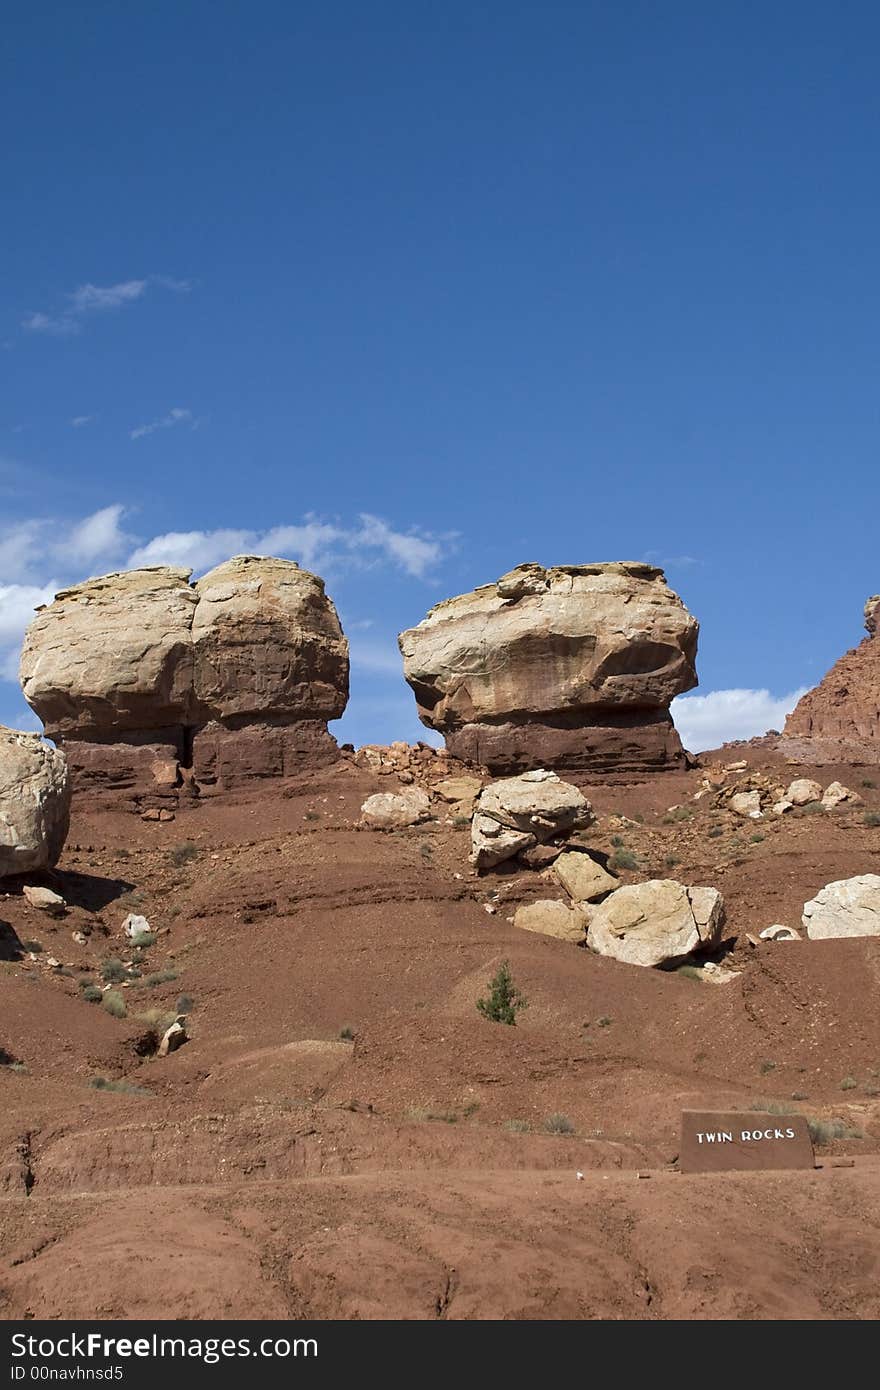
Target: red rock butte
839,720
157,688
570,668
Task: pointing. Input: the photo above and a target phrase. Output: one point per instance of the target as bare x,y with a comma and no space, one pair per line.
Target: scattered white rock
712,974
552,917
802,791
583,877
172,1039
779,808
779,932
836,793
736,767
518,812
80,938
656,922
45,900
134,925
747,804
846,907
394,810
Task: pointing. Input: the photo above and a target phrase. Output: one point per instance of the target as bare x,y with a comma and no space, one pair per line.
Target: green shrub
690,972
623,859
347,1034
93,994
114,1003
558,1124
113,971
757,837
678,813
825,1131
872,818
848,1083
505,1000
183,853
184,1004
767,1066
142,939
100,1083
604,1021
618,841
866,782
715,831
518,1126
160,977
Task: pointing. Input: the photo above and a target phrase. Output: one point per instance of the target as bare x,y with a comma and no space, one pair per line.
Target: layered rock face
151,683
570,668
34,803
839,720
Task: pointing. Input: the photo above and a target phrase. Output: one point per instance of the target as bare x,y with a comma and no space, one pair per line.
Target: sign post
747,1140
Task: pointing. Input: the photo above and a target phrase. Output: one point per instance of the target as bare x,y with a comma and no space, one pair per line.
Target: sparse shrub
183,853
100,1083
143,939
558,1124
757,837
311,815
93,994
184,1004
623,859
114,1003
670,861
505,1000
461,822
160,977
715,832
346,1034
604,1021
767,1066
518,1126
799,1095
618,841
690,972
872,818
848,1083
113,971
678,813
812,808
35,946
426,849
825,1131
866,782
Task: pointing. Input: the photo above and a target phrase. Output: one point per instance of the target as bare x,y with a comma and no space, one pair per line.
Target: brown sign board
712,1141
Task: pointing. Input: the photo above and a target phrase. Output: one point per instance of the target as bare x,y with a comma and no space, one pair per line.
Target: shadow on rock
11,947
89,891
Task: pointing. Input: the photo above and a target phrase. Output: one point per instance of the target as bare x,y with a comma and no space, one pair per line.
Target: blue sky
421,292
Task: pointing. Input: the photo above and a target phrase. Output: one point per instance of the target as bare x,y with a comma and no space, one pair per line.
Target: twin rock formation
153,685
571,668
150,683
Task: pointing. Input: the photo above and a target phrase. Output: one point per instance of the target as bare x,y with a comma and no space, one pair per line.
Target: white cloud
707,721
175,416
90,299
79,420
17,604
315,544
99,536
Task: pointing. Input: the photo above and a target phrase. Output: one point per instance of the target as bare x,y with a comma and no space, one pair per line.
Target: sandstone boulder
34,803
150,682
847,907
393,811
656,923
803,791
778,932
839,720
570,667
553,918
747,804
518,812
835,794
458,789
44,900
583,877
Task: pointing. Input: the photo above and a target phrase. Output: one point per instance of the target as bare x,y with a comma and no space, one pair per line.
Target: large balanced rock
847,907
570,668
519,812
147,680
34,802
656,923
839,720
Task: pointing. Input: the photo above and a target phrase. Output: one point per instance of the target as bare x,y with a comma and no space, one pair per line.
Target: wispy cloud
314,543
176,416
79,421
707,721
90,299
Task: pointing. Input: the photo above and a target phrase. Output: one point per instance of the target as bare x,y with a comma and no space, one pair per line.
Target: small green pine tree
505,1000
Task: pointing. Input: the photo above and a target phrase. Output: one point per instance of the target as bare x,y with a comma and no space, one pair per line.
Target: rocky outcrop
656,923
568,668
839,720
34,803
517,813
152,683
847,907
